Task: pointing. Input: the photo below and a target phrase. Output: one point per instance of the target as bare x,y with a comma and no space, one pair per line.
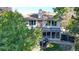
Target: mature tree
65,13
14,35
60,10
74,27
69,22
34,35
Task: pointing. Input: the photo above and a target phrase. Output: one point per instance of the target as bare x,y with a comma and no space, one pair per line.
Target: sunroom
52,34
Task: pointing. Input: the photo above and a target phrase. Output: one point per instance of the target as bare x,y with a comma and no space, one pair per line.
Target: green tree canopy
74,24
14,35
74,27
60,11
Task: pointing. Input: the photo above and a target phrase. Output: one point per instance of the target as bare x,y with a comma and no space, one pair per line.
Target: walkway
37,48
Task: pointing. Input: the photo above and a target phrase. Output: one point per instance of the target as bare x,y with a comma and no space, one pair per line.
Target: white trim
50,38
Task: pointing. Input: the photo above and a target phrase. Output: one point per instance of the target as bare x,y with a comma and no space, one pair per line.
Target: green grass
53,47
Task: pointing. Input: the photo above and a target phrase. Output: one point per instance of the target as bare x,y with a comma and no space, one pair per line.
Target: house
51,28
5,9
38,19
2,9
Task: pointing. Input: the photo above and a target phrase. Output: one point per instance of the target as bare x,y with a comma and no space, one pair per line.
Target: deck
61,42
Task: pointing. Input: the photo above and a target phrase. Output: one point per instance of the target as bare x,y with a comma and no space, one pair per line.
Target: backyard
53,47
50,47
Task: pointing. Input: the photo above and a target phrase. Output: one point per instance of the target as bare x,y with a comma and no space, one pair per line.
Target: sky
28,10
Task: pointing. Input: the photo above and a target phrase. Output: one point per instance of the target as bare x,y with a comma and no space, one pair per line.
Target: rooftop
44,15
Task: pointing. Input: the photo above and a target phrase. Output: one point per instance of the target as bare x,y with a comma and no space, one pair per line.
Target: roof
5,9
34,15
45,16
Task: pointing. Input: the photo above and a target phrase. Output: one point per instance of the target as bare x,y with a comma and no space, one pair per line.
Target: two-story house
50,28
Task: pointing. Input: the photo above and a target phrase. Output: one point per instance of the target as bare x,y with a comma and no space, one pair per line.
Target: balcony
51,29
51,26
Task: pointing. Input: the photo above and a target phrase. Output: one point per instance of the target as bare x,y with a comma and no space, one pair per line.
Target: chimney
40,14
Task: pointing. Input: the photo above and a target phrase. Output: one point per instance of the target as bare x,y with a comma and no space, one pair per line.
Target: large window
32,22
51,23
48,34
54,23
57,34
53,34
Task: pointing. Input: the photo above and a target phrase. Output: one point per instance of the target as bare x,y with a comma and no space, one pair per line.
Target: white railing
51,26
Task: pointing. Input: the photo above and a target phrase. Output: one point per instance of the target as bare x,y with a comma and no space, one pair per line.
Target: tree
14,35
60,11
65,13
34,35
69,22
74,28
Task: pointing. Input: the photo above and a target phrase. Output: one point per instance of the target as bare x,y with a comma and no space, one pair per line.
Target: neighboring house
51,28
2,9
5,9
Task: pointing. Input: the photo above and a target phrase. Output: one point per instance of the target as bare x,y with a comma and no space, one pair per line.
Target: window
57,34
48,34
44,34
53,34
54,23
48,23
51,23
32,22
